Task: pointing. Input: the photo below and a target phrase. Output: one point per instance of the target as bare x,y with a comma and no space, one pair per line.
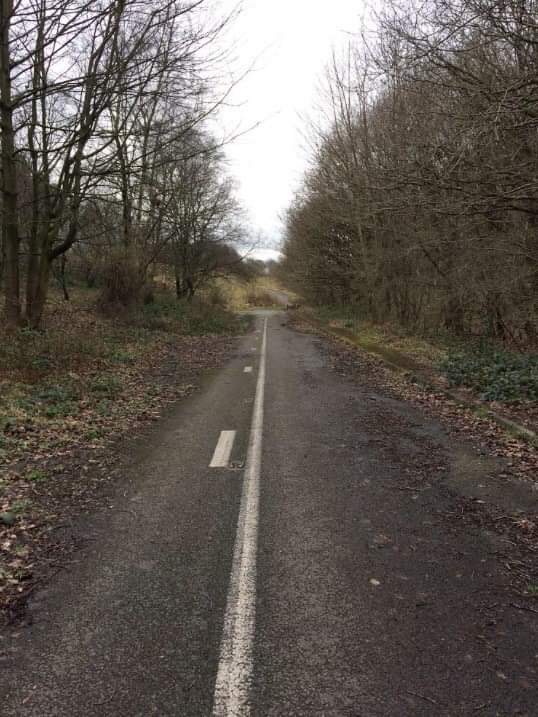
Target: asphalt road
304,562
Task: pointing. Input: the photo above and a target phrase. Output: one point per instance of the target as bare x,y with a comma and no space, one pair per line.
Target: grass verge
68,393
503,381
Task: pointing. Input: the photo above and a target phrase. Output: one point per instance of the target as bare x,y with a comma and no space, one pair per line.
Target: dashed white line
247,369
234,674
221,456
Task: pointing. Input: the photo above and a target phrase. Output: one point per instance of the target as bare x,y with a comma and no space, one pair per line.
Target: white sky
292,41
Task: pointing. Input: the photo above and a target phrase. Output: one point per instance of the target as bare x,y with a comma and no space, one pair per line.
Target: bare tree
94,97
421,203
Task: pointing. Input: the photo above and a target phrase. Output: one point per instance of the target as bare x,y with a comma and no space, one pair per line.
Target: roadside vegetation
419,207
76,370
496,375
111,165
240,295
479,371
415,225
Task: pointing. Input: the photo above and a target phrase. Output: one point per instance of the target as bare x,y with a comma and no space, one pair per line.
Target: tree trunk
454,319
63,277
10,226
35,309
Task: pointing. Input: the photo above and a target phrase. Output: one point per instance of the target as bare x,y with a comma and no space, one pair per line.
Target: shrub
53,400
107,385
215,296
496,375
190,317
259,297
37,476
122,286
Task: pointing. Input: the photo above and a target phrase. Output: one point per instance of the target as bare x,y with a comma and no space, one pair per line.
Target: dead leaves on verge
58,453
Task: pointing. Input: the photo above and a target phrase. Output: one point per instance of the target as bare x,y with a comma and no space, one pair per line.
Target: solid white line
221,456
247,369
234,674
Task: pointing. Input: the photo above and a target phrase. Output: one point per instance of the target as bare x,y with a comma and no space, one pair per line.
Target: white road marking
247,369
234,674
221,456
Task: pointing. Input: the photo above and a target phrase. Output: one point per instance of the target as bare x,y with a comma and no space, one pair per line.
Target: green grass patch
21,506
51,400
105,407
7,423
119,355
94,434
193,318
409,351
106,385
37,476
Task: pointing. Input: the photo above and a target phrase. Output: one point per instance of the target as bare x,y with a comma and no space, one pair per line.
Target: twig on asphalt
103,702
524,607
424,697
129,512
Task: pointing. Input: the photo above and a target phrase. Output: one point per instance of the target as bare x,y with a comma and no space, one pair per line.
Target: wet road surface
285,547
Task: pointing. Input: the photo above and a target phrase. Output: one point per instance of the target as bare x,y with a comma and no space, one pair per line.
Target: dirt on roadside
56,476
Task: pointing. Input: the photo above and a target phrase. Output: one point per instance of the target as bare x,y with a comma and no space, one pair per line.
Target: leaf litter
57,463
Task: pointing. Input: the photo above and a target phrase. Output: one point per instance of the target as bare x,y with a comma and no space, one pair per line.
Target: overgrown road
330,575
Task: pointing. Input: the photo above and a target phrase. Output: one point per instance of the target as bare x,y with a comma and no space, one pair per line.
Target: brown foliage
421,206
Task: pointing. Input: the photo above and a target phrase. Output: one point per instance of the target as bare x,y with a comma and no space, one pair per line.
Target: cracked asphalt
372,597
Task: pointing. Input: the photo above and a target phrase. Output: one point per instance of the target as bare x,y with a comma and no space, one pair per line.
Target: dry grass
386,338
238,295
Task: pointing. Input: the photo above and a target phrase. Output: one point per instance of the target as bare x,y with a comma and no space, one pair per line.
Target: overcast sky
292,41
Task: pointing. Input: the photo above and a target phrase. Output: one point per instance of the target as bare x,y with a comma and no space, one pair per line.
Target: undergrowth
496,375
237,294
83,361
192,318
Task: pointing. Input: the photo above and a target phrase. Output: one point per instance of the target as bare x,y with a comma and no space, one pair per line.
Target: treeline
421,202
106,153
